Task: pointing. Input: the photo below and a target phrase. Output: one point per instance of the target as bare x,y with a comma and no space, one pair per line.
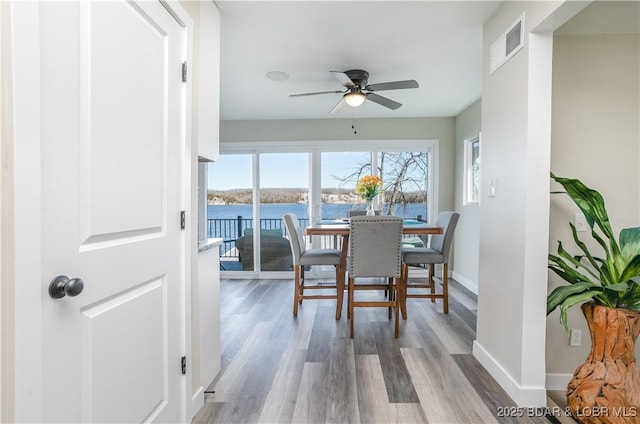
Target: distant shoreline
335,196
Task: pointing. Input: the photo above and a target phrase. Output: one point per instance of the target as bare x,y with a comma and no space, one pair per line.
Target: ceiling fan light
354,99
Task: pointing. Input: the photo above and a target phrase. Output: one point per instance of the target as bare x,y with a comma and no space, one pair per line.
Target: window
471,187
252,184
339,173
406,180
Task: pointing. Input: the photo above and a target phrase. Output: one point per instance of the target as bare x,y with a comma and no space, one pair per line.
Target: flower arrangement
369,187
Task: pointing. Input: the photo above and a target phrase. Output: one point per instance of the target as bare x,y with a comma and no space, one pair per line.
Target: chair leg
348,298
340,290
391,294
398,300
388,292
296,289
301,283
432,282
351,282
403,300
445,287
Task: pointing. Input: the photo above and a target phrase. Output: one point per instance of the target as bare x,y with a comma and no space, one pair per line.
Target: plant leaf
620,287
632,269
589,201
561,293
582,246
573,300
592,206
630,242
576,262
566,271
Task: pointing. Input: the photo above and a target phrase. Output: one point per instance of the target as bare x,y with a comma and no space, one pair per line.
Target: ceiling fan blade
313,94
343,78
338,107
395,85
383,101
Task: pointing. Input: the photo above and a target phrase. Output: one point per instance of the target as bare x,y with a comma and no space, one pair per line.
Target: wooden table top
340,227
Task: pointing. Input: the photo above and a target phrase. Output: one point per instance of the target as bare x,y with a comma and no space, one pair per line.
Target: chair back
375,246
356,212
442,242
296,239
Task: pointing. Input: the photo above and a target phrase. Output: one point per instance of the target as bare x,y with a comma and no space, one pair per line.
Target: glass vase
370,210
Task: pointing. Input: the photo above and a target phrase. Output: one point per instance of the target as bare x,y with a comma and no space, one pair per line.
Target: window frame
311,147
468,198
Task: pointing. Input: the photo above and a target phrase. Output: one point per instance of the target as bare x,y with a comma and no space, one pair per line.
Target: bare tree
405,179
404,175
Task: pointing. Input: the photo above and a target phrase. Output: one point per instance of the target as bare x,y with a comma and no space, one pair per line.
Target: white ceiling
437,43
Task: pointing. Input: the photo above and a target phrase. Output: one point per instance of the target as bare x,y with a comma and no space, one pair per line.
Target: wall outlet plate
575,337
580,222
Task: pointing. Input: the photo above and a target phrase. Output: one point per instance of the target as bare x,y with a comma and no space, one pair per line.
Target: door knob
62,286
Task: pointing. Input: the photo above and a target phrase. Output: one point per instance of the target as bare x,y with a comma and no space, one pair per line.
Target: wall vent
507,45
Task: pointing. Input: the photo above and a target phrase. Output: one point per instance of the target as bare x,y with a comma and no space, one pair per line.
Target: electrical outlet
575,337
580,222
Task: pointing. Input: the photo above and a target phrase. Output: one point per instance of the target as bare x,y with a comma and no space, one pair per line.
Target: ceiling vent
507,45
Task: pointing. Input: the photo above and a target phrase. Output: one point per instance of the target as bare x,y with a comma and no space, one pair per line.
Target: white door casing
112,145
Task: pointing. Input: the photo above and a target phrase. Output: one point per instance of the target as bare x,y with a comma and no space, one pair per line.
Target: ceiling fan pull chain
353,123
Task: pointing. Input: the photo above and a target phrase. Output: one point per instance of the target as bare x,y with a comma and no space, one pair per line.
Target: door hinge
184,71
183,220
183,364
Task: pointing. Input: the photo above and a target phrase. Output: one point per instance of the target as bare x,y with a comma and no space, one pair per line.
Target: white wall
6,225
467,236
442,129
595,138
516,111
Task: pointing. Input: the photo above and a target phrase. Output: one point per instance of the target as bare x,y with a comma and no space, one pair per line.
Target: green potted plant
607,286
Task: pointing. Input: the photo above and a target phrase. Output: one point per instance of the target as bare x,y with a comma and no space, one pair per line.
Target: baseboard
197,402
558,381
470,285
524,397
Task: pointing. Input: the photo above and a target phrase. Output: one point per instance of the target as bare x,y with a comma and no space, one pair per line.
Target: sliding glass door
250,188
284,188
230,207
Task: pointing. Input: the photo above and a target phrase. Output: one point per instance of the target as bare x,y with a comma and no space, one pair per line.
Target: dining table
341,227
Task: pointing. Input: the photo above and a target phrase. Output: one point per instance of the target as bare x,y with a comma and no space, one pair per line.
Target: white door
112,111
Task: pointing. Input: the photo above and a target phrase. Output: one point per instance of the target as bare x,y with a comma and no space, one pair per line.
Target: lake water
329,210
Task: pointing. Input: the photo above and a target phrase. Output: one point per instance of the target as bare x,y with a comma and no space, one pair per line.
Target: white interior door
112,108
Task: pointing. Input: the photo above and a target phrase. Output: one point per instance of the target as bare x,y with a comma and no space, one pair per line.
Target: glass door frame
315,181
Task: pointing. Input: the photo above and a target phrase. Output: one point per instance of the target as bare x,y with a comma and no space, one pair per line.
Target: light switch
492,187
580,222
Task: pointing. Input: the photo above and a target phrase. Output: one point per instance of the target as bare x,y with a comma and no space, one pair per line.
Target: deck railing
230,229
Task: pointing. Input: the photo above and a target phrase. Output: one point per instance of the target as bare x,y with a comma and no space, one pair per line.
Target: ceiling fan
358,89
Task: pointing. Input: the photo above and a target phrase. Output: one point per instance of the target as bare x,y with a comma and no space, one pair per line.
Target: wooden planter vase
606,387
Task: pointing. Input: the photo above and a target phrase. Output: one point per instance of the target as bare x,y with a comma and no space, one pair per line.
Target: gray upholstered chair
437,253
356,212
375,252
303,257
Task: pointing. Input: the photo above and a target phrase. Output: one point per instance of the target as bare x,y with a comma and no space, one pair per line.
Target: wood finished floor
281,369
